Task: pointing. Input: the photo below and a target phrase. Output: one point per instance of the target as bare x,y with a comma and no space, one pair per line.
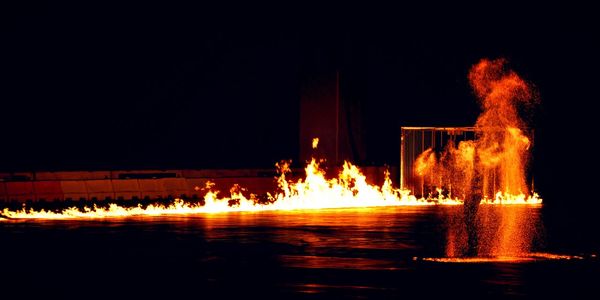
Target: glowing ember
315,143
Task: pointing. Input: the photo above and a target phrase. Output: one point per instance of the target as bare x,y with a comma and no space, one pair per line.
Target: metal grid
415,140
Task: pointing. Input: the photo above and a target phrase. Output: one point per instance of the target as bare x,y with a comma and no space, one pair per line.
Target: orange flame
495,162
314,191
425,163
315,143
490,169
502,146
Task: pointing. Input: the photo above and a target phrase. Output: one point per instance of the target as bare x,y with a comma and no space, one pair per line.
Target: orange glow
425,163
502,145
314,191
492,167
315,143
531,257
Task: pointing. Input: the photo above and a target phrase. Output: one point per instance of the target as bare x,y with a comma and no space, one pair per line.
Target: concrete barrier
151,188
48,190
73,175
3,194
175,187
127,189
74,189
17,176
20,191
97,184
100,189
124,174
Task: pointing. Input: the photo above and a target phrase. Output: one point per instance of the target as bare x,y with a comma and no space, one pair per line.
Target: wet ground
345,253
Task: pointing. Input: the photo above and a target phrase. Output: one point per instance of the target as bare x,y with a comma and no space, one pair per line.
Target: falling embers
495,163
493,231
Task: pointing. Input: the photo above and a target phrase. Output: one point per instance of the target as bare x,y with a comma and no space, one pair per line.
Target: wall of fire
148,184
114,185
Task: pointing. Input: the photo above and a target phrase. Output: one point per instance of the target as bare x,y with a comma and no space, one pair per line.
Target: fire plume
491,168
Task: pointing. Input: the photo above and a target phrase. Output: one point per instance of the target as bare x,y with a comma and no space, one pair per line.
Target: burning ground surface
488,170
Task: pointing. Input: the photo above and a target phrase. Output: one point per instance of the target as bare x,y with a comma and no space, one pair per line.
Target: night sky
147,85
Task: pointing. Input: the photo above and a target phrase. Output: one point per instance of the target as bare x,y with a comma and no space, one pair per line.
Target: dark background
98,85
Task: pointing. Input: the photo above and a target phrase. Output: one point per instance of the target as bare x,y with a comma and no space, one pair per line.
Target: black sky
153,85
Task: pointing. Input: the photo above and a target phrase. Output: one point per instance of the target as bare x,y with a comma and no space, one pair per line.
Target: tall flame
493,166
502,146
490,169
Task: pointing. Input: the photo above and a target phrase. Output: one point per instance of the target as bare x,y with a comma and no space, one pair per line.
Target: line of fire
484,164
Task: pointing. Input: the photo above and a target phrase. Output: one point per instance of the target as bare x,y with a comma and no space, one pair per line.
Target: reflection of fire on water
497,158
530,257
